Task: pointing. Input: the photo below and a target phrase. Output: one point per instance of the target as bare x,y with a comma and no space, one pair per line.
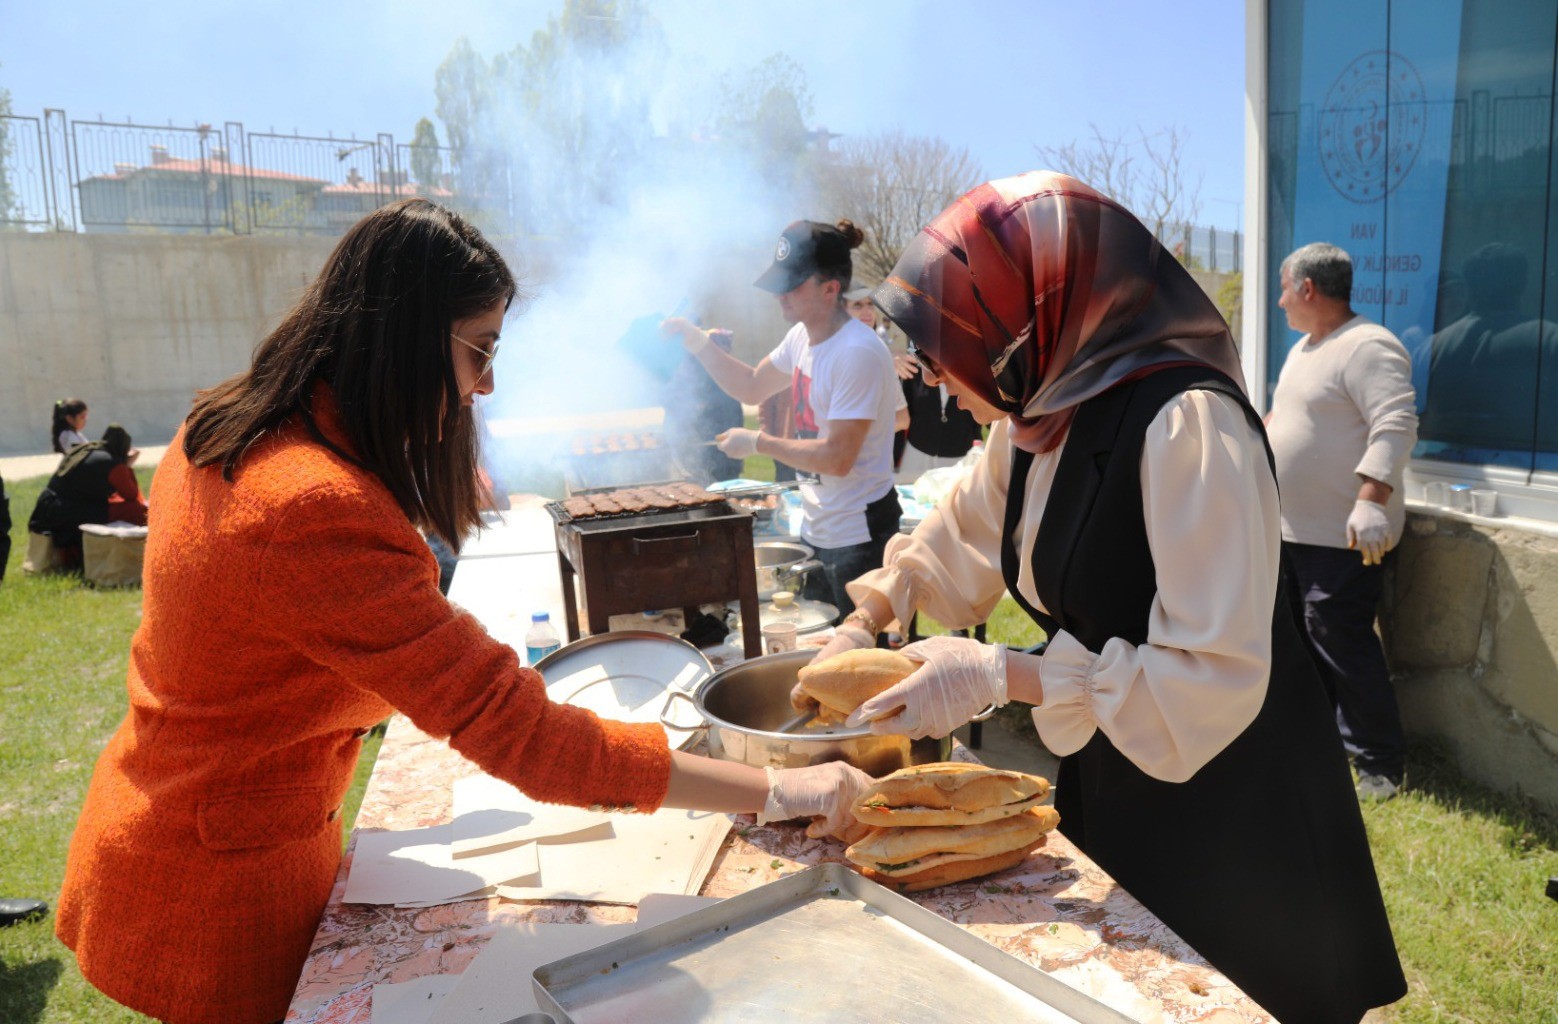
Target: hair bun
853,235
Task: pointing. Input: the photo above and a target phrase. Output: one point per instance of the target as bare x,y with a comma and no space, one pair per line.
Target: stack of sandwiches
934,824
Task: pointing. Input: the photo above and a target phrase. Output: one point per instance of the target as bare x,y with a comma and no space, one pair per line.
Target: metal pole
58,160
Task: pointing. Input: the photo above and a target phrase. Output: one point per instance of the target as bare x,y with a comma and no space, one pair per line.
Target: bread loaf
842,683
949,793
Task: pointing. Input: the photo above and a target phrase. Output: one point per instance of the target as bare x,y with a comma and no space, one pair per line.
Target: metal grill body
681,558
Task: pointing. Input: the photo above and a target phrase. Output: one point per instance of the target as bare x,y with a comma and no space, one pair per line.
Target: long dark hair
63,410
375,326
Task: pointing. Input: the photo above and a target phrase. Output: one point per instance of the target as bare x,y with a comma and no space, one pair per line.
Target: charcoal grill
680,558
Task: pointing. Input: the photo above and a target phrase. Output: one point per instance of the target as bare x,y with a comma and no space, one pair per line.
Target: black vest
1259,860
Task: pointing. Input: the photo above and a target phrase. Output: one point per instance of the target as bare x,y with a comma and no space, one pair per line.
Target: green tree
7,191
558,126
425,165
762,113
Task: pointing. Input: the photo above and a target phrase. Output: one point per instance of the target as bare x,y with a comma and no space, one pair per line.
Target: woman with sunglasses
290,604
1127,502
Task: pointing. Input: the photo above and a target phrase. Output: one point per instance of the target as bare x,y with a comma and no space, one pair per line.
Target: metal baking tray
823,945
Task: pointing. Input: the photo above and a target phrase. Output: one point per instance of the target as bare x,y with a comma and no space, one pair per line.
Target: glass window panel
1328,152
1484,354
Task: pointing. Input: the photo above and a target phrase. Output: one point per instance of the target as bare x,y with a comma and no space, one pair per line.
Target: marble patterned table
1057,910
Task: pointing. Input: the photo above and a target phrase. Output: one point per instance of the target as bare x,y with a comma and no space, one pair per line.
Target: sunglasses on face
487,354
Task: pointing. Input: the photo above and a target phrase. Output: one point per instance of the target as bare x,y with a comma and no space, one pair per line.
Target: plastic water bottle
540,639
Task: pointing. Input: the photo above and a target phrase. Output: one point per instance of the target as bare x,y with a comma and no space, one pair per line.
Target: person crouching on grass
290,604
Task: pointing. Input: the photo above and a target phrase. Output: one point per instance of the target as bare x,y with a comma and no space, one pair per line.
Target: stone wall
1470,622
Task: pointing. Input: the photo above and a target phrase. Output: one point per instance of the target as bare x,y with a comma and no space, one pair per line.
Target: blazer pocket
261,818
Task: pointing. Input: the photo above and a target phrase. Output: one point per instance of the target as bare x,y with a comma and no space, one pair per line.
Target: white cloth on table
1212,518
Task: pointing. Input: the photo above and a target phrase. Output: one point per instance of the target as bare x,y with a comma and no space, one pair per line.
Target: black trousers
1341,596
841,565
5,529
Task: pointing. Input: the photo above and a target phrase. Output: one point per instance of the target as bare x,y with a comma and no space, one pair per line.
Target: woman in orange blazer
290,603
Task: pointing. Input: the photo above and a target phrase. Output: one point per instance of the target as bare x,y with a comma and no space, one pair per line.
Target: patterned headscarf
1037,293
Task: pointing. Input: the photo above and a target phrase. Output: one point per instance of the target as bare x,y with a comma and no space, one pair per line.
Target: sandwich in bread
916,858
949,793
842,683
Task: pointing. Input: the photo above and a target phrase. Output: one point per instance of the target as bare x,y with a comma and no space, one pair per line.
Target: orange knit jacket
285,612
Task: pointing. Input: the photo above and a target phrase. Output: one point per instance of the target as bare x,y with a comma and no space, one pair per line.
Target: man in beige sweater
1342,424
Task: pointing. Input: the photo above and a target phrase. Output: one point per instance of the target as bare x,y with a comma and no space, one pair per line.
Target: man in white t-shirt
845,394
1342,425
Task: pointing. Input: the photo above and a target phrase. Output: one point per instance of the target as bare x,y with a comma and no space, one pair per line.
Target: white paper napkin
411,1002
417,866
489,813
496,987
668,851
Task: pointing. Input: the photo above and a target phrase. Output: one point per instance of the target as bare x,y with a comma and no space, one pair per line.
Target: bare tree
891,185
1147,175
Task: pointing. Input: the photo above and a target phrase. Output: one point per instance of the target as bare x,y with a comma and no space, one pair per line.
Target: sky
995,76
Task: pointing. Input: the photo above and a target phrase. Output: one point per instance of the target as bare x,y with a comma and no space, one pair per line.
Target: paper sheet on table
660,907
487,893
411,1002
490,813
496,986
668,851
416,865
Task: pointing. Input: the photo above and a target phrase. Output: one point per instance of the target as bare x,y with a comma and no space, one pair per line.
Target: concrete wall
133,324
1470,622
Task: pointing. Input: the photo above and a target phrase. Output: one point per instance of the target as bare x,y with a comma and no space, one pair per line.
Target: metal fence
60,174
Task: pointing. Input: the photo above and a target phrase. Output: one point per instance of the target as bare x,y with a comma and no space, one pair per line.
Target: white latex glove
1368,530
822,791
738,442
848,637
694,338
960,677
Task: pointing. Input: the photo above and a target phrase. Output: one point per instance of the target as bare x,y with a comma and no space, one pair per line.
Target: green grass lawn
1462,868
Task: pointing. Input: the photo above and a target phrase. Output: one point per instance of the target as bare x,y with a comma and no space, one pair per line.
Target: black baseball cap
805,248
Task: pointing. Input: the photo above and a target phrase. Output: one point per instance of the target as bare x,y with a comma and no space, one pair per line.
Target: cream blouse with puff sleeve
1213,524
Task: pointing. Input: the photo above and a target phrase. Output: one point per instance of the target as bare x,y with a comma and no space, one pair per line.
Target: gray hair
1328,266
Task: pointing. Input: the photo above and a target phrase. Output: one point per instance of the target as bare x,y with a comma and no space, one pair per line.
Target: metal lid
626,675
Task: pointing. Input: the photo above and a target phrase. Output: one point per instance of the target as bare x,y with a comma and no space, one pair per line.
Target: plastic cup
1437,493
1460,497
779,636
1484,503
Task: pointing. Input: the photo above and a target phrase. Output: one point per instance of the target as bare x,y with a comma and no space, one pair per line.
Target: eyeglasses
487,354
926,363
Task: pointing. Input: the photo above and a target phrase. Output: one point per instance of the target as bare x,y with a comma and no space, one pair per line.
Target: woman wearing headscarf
93,484
1128,503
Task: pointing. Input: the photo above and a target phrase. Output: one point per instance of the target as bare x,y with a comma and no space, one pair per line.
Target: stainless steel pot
743,706
782,565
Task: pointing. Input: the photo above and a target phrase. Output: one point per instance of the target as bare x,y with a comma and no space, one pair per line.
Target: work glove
823,792
848,637
738,442
959,678
1368,530
694,338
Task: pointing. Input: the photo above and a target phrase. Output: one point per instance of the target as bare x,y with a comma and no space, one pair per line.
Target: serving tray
823,945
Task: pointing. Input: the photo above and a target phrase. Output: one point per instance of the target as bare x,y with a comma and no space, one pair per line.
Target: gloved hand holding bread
935,824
